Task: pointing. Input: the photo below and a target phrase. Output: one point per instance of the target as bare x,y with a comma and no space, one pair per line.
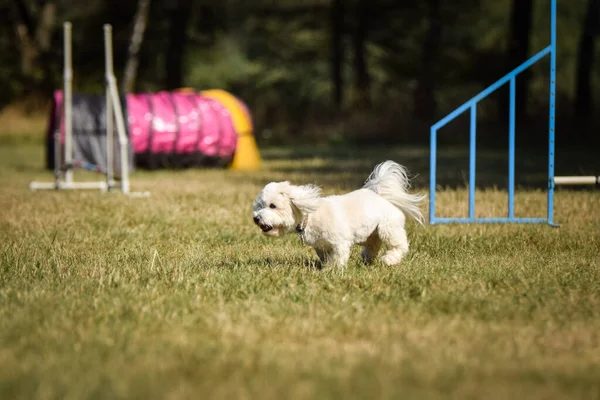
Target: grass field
179,296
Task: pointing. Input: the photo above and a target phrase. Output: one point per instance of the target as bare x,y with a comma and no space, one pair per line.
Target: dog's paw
390,259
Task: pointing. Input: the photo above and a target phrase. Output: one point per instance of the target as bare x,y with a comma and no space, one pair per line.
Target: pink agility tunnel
165,129
179,129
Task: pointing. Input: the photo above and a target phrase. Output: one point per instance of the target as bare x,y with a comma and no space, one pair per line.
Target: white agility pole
577,180
112,93
68,101
68,182
113,100
110,115
113,112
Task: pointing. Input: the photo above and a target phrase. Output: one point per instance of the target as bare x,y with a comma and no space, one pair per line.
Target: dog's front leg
339,256
322,255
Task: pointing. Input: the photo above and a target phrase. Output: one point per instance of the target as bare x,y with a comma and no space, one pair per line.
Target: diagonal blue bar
493,87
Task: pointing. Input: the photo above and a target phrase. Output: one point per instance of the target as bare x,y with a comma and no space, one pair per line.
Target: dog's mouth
265,228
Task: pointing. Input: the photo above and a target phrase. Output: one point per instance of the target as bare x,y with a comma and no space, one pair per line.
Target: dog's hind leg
393,235
372,247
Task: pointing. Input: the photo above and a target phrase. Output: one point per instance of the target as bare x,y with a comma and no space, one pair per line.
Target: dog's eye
272,205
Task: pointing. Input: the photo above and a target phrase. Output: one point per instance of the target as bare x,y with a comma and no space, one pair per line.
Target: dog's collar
302,225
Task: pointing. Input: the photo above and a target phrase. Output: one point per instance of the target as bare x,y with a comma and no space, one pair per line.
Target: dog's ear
305,198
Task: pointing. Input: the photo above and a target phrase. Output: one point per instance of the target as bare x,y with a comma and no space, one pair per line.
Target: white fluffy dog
370,216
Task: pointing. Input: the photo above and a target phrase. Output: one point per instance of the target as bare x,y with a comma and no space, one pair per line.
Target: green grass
179,296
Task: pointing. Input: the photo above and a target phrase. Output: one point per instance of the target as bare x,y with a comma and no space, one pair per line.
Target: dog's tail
390,180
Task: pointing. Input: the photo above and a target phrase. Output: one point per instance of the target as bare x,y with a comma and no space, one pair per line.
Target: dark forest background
376,71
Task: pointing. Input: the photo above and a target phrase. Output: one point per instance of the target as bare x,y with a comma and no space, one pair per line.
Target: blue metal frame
472,106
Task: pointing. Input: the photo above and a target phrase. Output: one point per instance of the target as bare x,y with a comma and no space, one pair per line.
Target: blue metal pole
511,152
432,173
504,220
552,112
472,105
472,162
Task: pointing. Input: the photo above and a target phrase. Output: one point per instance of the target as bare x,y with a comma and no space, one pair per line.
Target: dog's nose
256,220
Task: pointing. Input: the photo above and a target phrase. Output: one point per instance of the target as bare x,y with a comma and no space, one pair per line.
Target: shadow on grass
349,166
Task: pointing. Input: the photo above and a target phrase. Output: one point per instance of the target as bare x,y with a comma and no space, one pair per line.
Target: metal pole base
102,186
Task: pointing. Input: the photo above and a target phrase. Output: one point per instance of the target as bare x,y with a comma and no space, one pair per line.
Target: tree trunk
35,41
45,25
209,23
424,102
518,53
361,69
44,40
337,52
137,36
585,60
29,51
179,16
